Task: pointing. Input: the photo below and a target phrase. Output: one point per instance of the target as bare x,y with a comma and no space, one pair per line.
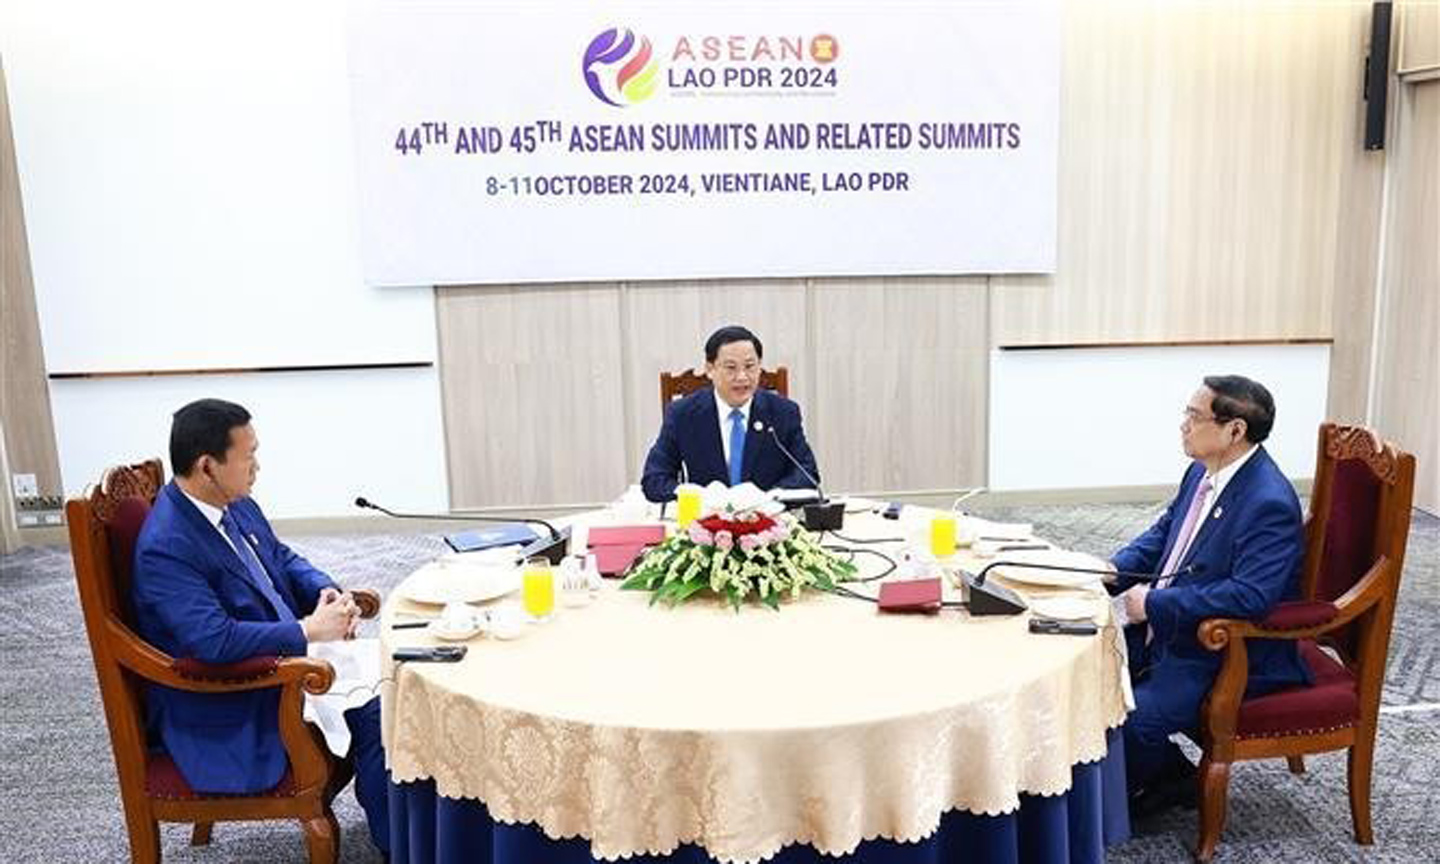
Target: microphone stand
552,547
823,515
988,598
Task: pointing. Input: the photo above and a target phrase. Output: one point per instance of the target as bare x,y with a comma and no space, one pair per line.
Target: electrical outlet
25,486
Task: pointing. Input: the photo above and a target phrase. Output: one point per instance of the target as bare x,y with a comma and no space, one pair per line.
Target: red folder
914,595
626,535
617,546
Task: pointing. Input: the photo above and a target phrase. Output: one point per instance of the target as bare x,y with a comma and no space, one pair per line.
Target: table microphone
823,515
991,599
553,547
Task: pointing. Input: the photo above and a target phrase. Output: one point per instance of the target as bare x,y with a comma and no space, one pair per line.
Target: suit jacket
1245,557
690,436
195,598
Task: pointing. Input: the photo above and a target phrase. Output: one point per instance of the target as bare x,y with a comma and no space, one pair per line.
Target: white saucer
1064,608
438,630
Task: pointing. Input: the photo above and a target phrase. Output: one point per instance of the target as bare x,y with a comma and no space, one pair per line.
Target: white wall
1090,417
188,179
189,187
325,437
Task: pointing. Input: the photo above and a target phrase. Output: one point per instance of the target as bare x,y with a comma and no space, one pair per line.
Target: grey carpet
61,803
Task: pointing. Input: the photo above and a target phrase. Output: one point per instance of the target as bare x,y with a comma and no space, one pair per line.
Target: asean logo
619,68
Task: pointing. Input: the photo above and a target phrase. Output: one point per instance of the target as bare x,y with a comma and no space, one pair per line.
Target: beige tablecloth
826,723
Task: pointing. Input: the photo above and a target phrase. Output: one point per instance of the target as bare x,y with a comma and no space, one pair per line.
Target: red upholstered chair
1356,531
673,386
104,526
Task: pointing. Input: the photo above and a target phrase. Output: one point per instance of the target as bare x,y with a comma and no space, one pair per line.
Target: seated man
213,583
727,432
1229,545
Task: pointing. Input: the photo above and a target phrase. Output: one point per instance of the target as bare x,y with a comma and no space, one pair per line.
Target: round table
643,728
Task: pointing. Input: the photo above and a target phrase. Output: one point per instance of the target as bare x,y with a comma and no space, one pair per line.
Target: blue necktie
258,576
737,445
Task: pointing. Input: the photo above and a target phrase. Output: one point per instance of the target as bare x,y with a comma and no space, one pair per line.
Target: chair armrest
1290,621
249,669
308,674
310,761
368,599
1300,615
1303,619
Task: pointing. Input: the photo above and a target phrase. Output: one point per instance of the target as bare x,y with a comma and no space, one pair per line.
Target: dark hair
1239,398
730,333
202,428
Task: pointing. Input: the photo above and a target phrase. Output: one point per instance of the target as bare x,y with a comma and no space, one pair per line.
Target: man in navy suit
213,583
1229,545
728,432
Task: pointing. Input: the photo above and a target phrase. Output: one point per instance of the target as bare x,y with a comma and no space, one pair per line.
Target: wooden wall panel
531,381
666,324
1212,187
1418,24
1204,175
29,427
1407,398
899,399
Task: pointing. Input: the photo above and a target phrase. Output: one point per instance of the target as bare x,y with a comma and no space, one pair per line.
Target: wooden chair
1356,532
680,384
103,528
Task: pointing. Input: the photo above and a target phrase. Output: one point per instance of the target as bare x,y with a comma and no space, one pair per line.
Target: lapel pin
1218,512
758,426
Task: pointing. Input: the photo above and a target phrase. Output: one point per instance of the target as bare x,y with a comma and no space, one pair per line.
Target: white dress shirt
1218,481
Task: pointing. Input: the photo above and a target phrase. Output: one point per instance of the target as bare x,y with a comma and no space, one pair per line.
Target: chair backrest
1359,512
104,525
674,386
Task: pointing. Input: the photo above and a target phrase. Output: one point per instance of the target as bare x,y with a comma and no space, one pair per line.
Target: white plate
449,581
437,629
1053,557
1064,608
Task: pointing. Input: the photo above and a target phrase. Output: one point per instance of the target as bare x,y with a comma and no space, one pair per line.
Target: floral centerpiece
739,552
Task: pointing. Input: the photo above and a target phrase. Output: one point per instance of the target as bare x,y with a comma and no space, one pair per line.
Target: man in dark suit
213,583
727,432
1229,545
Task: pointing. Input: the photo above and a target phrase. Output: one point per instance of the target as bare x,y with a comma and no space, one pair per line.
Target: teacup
506,621
459,617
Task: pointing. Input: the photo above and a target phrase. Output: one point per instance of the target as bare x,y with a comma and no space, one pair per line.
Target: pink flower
724,540
751,542
765,538
699,536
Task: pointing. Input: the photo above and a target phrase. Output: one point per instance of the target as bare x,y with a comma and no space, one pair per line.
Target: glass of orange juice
942,535
687,504
537,588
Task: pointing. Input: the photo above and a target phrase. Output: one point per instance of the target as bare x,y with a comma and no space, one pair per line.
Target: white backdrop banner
553,141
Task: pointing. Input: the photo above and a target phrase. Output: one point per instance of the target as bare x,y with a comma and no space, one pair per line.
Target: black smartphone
432,654
1063,628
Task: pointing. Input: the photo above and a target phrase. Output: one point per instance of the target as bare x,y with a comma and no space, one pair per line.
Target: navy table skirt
426,828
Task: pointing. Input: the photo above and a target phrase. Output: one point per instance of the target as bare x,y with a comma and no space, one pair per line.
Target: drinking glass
942,535
687,504
537,588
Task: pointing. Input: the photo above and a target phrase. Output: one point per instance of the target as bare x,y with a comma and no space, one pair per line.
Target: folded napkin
357,679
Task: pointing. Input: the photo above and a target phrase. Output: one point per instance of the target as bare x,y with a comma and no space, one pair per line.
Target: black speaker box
1377,76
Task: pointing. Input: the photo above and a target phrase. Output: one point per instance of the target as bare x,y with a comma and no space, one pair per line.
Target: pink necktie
1187,531
1182,541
